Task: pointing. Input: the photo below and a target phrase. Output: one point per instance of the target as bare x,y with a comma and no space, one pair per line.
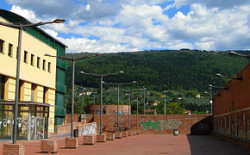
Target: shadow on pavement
202,142
209,145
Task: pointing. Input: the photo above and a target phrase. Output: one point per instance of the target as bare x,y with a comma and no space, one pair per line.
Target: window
38,62
44,61
1,46
45,94
33,94
21,90
16,52
49,67
32,59
2,86
10,50
25,56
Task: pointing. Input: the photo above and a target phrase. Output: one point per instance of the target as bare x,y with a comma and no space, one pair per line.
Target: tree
174,108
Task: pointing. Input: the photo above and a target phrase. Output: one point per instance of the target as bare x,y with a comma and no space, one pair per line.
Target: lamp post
210,86
165,102
94,97
148,99
72,59
22,27
118,99
101,76
82,100
144,107
137,103
129,105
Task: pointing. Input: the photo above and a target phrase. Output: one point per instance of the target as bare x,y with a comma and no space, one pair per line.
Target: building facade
42,80
231,109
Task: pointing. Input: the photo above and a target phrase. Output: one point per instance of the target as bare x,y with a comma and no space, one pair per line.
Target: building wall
42,78
32,46
109,109
231,108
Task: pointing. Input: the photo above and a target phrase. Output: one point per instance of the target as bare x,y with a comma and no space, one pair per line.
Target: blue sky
132,25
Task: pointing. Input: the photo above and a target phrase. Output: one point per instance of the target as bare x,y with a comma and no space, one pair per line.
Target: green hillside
160,70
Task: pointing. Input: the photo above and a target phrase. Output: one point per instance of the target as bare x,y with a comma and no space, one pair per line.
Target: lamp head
82,72
47,54
59,20
134,82
218,74
232,53
121,72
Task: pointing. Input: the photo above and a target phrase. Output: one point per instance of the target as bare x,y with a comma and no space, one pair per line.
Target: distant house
198,96
110,109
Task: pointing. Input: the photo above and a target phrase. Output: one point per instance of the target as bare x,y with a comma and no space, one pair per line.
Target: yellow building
39,85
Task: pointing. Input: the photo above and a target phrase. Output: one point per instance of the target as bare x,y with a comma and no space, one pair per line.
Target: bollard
15,149
71,143
101,138
118,135
110,136
88,139
175,132
48,146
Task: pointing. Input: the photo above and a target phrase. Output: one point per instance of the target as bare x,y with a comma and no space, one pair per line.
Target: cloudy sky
133,25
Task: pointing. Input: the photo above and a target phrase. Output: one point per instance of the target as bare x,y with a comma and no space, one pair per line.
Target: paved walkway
145,145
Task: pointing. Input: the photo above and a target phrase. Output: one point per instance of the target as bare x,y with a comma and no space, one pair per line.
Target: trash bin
175,132
76,131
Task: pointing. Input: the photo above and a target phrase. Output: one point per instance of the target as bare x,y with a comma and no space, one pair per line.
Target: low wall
89,129
66,128
157,124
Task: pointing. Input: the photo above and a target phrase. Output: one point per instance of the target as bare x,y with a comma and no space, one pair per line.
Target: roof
16,19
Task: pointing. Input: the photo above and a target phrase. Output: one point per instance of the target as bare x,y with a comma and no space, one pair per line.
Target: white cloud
129,25
28,14
220,26
87,7
222,4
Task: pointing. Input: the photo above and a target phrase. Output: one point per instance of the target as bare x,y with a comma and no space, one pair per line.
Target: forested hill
160,70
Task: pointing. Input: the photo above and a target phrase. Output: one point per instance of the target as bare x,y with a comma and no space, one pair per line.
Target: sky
110,26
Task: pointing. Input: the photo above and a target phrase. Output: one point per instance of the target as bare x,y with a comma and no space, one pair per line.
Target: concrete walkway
145,145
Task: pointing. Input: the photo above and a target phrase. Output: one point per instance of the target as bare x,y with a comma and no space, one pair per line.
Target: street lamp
129,105
144,107
118,94
21,27
230,77
101,85
94,97
83,89
210,86
232,53
137,115
165,102
148,100
72,59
